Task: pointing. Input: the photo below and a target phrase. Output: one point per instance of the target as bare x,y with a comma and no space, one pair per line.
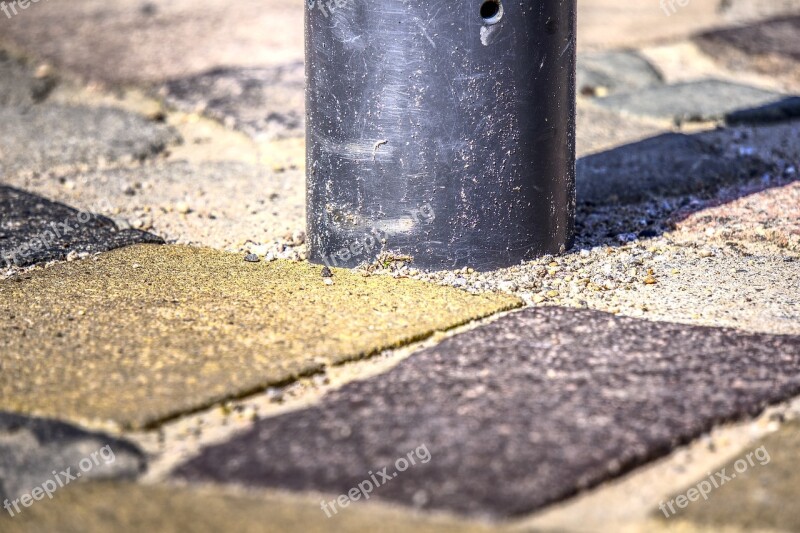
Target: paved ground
165,338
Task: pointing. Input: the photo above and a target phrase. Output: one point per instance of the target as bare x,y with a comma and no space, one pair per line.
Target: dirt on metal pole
441,130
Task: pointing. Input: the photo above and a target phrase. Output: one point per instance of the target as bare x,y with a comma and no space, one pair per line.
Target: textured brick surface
149,332
517,414
34,230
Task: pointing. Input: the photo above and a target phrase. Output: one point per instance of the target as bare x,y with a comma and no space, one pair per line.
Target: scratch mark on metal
378,145
425,33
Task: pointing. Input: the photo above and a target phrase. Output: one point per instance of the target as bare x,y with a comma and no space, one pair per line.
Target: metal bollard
443,131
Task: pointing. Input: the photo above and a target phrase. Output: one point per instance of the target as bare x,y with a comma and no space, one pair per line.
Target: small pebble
327,281
251,258
326,272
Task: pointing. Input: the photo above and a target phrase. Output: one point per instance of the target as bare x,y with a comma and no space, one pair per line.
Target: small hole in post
491,11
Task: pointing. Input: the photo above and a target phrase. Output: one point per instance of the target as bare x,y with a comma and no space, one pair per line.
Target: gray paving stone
671,164
43,136
19,83
262,102
517,414
613,72
32,448
34,230
697,101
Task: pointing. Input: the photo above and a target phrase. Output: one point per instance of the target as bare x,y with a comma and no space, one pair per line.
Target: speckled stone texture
220,204
146,333
696,101
771,215
265,103
517,414
32,448
35,230
44,136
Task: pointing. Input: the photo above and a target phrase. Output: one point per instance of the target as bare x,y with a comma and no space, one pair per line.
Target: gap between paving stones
482,379
182,438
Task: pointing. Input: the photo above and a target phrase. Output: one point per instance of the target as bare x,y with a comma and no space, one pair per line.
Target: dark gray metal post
442,130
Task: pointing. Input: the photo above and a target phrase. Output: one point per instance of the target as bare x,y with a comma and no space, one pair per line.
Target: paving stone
612,72
35,230
671,164
266,103
698,101
20,83
32,448
763,497
517,414
40,137
118,41
221,205
771,215
150,332
769,47
759,211
102,507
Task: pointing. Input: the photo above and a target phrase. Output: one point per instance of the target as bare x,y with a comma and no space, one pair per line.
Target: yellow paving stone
760,493
146,333
126,508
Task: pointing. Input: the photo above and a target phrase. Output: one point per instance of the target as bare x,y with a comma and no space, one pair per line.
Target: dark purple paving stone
31,448
668,165
34,230
517,414
265,103
697,101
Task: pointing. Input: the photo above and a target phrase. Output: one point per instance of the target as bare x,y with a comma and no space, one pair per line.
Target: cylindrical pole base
440,131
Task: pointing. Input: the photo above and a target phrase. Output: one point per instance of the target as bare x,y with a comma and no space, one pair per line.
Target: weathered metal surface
440,130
